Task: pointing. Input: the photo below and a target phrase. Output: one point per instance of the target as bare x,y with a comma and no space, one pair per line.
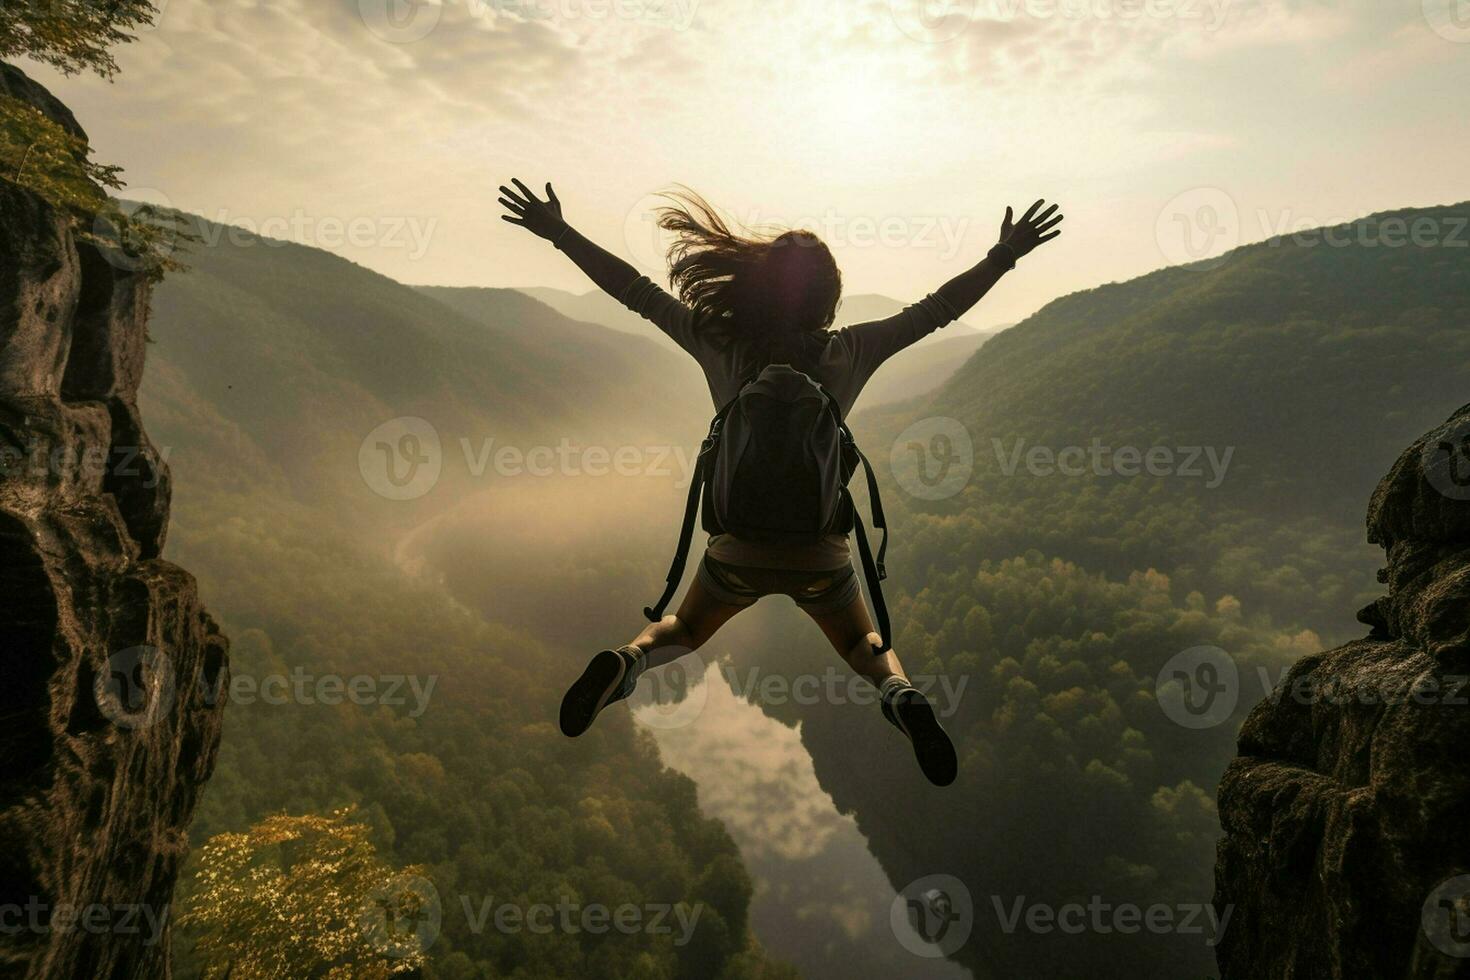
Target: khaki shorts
819,592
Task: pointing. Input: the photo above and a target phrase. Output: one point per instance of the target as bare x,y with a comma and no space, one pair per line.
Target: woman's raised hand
541,218
1032,230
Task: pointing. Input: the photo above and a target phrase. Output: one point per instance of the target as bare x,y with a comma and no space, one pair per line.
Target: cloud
264,107
763,788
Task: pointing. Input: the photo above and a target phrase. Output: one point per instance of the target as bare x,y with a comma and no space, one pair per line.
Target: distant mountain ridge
296,355
595,306
914,372
272,370
1065,590
1058,599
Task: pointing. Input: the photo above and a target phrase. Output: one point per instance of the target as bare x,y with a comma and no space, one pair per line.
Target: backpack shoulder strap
875,587
655,612
874,569
875,504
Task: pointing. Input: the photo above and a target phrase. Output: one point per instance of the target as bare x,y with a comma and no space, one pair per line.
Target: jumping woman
746,302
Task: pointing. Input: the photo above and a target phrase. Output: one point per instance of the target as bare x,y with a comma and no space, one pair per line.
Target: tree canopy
71,35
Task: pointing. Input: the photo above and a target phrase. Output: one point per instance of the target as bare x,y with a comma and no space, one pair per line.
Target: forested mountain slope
1061,590
305,353
270,366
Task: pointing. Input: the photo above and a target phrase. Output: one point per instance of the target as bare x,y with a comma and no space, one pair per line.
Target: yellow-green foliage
38,154
296,896
42,157
72,35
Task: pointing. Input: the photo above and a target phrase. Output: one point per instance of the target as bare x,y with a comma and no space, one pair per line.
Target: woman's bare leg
850,631
699,617
611,674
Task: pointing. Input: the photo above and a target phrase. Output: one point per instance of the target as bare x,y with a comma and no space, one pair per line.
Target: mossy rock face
1344,816
44,152
42,146
16,84
108,736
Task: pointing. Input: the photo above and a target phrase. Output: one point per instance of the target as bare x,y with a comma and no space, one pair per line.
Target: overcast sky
897,129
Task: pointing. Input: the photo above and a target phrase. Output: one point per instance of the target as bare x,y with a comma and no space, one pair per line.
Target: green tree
72,35
305,896
51,158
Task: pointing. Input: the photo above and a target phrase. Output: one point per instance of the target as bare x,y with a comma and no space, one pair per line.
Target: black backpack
775,467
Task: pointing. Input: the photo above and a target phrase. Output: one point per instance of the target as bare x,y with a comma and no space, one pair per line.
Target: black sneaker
609,677
911,713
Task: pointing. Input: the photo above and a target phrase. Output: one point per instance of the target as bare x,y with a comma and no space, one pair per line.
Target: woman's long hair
775,290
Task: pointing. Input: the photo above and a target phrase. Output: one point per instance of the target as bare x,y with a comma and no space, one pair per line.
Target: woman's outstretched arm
544,219
1017,240
617,278
875,342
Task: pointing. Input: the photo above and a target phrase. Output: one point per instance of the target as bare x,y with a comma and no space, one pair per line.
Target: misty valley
1049,601
405,574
